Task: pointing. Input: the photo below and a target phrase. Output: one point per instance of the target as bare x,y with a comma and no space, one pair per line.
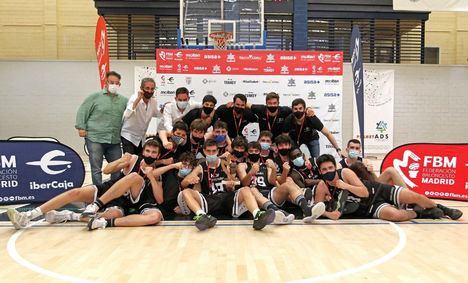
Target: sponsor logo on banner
291,94
334,69
250,69
269,70
209,92
231,58
250,57
192,56
192,93
211,57
284,70
216,69
436,170
270,82
166,67
291,82
182,68
307,57
207,81
166,55
332,82
230,82
287,58
301,69
337,58
331,120
200,68
188,80
311,82
312,95
323,58
250,81
163,80
331,94
179,55
250,95
331,108
170,80
167,92
47,164
334,132
270,58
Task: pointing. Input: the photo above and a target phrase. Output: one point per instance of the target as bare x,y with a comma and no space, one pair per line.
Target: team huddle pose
200,163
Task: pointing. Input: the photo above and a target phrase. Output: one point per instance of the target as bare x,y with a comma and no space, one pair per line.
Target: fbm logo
8,163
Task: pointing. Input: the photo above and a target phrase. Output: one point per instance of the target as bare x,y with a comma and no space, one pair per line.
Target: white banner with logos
378,111
431,5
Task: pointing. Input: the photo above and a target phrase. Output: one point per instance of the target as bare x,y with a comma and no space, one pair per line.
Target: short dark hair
181,90
298,101
113,73
353,141
283,139
254,144
209,142
325,158
189,158
265,133
239,141
180,125
209,98
240,96
198,124
146,80
152,141
220,125
272,95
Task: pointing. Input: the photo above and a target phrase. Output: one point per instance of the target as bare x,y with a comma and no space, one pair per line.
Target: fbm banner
435,170
36,171
314,76
378,106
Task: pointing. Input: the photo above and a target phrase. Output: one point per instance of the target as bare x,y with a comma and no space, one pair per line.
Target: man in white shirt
141,108
175,110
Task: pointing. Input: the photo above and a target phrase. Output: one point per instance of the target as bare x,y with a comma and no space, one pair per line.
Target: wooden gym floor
175,251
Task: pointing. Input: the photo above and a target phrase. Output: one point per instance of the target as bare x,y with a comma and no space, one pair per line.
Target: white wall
40,98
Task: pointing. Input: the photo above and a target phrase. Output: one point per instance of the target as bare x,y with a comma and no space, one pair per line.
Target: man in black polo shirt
206,113
303,129
271,116
237,117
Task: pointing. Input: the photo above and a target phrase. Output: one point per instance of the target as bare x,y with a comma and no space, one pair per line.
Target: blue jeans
97,152
314,148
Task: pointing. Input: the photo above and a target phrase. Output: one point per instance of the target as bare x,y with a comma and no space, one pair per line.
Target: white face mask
113,88
182,104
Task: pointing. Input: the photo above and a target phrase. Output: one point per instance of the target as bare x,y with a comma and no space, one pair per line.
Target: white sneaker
90,210
96,223
19,219
55,216
281,218
317,210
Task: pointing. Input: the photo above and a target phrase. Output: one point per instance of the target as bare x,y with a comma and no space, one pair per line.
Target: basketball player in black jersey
217,193
126,164
387,199
266,140
220,135
284,145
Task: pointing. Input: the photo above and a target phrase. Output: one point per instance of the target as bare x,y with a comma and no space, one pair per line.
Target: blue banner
36,171
358,78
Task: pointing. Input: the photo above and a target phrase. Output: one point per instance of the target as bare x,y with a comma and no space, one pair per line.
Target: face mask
265,145
148,95
182,104
149,160
329,176
239,110
284,151
178,140
207,110
299,161
254,157
113,88
198,140
220,138
272,108
353,154
184,172
298,114
211,158
238,154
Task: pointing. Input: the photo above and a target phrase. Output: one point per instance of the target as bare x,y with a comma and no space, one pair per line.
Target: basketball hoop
220,39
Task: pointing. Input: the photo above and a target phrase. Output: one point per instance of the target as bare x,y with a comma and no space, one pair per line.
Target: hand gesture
286,166
82,133
168,145
149,172
270,164
178,165
310,112
192,180
255,168
140,95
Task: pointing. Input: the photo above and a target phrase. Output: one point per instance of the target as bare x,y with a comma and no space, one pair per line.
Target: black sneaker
308,196
452,213
263,218
204,221
430,213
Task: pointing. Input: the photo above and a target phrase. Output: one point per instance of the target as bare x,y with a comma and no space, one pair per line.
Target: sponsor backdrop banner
378,106
36,171
314,76
102,49
435,170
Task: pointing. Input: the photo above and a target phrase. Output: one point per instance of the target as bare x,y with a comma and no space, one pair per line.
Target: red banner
435,170
102,49
251,62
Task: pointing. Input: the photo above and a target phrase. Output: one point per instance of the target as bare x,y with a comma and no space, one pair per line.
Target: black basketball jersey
212,179
260,180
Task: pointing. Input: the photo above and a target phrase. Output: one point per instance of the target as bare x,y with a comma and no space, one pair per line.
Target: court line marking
395,251
11,248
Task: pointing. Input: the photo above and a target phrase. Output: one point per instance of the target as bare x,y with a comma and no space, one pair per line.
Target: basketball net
220,39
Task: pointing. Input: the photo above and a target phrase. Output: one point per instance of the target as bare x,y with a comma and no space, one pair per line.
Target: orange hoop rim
226,35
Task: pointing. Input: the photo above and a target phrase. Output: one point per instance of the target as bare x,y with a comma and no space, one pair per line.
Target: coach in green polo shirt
99,120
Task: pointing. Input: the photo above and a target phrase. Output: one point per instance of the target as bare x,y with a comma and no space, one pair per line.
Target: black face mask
238,154
298,114
254,157
198,140
272,108
149,160
284,151
148,95
239,110
207,110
